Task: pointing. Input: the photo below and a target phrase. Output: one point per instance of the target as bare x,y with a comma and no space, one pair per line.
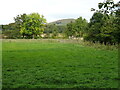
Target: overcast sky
51,9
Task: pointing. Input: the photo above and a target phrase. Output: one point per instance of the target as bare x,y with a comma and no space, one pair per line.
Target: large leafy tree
80,26
76,28
108,7
104,24
101,28
70,31
54,31
95,27
107,30
51,30
30,25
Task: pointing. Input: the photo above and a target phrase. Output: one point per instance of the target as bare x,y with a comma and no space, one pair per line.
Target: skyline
52,10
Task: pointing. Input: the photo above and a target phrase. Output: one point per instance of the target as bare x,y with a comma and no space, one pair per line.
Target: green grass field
53,64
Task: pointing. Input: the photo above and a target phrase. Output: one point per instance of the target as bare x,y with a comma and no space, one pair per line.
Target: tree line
104,26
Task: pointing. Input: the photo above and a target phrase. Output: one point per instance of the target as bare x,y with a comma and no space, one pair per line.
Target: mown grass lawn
47,64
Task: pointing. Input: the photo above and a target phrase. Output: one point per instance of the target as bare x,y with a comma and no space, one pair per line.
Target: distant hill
62,21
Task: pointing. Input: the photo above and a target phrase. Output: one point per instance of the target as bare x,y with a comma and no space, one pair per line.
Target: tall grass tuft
99,45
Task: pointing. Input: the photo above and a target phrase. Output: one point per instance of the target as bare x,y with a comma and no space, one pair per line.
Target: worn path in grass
48,64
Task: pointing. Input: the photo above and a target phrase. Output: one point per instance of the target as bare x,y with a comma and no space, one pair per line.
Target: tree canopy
30,25
76,28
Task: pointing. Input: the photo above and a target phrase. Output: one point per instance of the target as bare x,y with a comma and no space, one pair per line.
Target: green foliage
101,28
108,7
80,26
117,26
53,30
70,29
10,31
61,28
76,28
104,24
11,34
94,27
5,27
35,64
30,25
